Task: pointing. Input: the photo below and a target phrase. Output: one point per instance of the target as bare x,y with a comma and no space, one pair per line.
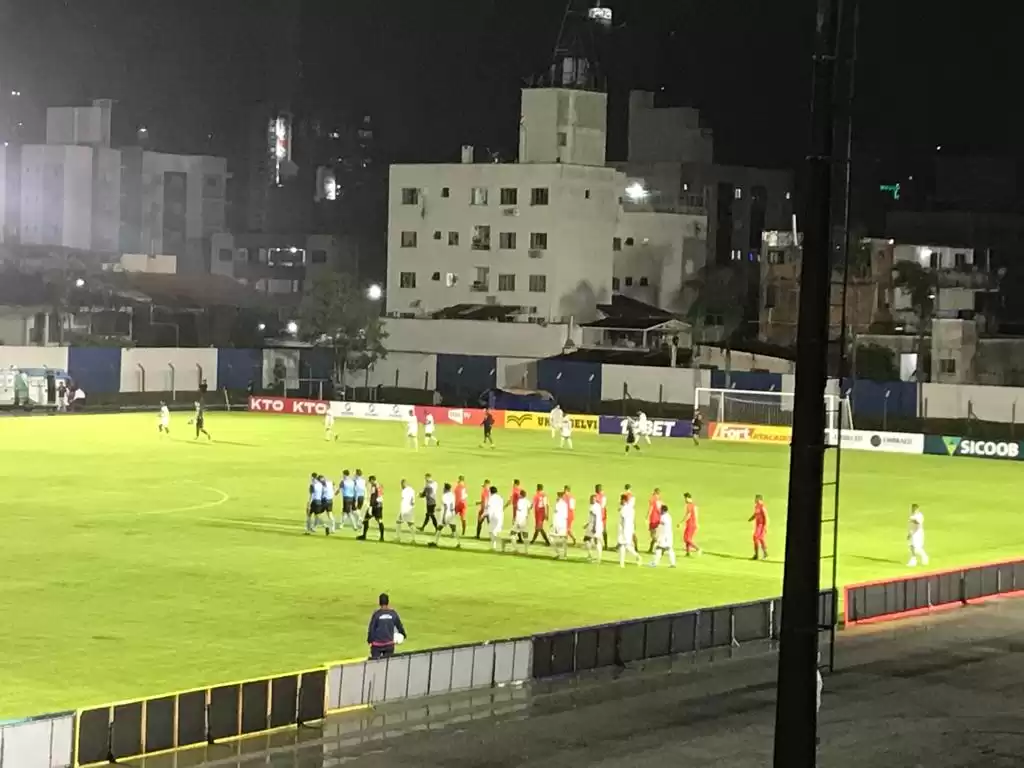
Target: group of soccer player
198,420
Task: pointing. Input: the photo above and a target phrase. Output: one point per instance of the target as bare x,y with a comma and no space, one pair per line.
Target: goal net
740,406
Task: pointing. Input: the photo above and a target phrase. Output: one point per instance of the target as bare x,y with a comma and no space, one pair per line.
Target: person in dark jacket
381,634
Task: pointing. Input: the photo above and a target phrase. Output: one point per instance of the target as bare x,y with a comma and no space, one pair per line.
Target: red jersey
540,506
485,494
760,516
514,494
691,516
603,501
571,501
461,497
654,512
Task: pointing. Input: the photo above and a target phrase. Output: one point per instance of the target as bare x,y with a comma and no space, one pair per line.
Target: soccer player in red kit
603,501
481,515
570,500
461,501
690,528
760,521
513,495
654,517
540,514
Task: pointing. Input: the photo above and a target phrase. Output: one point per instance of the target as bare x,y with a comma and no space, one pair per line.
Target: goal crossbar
768,408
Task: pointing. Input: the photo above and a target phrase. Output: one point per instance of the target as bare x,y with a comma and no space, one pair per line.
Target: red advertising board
293,405
463,417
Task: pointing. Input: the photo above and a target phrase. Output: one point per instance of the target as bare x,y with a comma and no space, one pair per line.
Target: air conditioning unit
492,300
510,212
535,253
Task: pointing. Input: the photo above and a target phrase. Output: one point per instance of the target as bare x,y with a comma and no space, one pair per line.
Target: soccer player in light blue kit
348,501
328,505
314,506
360,490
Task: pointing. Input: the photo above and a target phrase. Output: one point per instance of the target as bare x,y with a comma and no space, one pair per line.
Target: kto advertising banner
616,425
292,405
530,420
372,411
749,433
463,417
1007,450
881,442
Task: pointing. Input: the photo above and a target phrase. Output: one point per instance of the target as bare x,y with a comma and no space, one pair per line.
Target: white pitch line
224,497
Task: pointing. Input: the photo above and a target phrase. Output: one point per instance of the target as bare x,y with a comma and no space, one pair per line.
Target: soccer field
133,565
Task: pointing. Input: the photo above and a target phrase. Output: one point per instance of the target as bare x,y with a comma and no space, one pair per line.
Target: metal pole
796,717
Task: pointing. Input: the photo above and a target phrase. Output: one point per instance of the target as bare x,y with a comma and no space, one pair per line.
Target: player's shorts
328,506
347,504
315,507
917,541
407,516
560,531
428,431
199,423
759,534
487,431
377,512
460,512
625,538
689,534
695,429
360,500
630,439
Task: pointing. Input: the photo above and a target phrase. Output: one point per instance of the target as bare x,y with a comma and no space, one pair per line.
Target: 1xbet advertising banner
750,433
616,425
530,420
1007,450
463,417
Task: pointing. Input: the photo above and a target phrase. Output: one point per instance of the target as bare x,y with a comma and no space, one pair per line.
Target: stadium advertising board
615,425
463,417
1007,450
373,411
530,420
881,442
749,433
293,405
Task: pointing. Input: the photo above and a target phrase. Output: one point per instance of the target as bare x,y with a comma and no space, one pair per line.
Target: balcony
480,287
263,271
965,277
481,244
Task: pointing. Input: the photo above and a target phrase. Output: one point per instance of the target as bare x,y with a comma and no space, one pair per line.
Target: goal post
775,409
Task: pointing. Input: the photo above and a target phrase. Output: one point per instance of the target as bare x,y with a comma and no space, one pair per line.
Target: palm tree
921,284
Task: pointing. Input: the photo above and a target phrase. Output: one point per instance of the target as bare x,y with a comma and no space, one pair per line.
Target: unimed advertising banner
529,420
616,425
1007,450
881,442
749,433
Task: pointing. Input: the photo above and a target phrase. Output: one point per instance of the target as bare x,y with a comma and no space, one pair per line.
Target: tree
716,291
921,284
335,313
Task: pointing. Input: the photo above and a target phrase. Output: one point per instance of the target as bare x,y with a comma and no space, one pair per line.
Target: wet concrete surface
942,691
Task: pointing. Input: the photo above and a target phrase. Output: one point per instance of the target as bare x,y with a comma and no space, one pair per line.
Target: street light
636,192
261,327
79,283
292,328
374,292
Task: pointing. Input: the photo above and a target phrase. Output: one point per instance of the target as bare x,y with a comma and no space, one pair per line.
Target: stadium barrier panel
46,741
541,421
463,417
616,425
913,595
621,643
947,445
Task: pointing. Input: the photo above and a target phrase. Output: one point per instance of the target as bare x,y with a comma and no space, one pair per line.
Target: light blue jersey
360,487
348,488
316,492
328,490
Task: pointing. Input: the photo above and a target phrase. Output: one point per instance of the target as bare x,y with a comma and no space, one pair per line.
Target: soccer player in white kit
164,428
520,522
496,517
428,432
915,537
566,430
406,512
663,542
449,518
557,416
643,427
329,426
412,432
627,530
560,528
595,530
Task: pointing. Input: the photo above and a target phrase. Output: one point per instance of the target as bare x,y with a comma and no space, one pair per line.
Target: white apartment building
547,234
281,264
960,277
56,195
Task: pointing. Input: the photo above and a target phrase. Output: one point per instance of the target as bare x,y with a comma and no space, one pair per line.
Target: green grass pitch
134,565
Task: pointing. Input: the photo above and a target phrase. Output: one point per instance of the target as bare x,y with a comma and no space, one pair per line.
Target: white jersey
627,523
522,513
560,523
496,512
557,417
328,420
428,425
165,415
665,531
596,522
448,508
916,526
408,503
642,425
566,428
413,426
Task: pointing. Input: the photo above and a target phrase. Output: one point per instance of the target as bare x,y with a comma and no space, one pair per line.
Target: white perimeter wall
411,370
34,357
476,337
516,372
673,385
956,401
158,363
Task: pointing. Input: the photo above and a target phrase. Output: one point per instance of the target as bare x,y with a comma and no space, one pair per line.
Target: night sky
439,73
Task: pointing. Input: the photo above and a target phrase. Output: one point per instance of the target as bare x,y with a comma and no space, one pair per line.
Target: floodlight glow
79,283
374,292
292,327
636,192
261,327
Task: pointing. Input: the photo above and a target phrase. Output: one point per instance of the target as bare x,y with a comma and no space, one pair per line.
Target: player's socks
381,526
672,558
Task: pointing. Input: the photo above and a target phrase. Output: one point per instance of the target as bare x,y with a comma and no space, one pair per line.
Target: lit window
407,280
408,239
478,196
947,365
451,279
539,196
506,282
507,241
509,196
538,284
410,196
738,193
538,241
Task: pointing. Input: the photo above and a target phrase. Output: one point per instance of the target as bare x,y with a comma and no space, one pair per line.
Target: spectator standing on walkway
385,630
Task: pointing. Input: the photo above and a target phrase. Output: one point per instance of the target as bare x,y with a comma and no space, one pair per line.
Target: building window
318,257
629,241
507,241
539,196
960,259
446,192
481,238
586,194
450,279
629,282
538,283
616,243
563,138
225,254
947,365
407,280
453,238
776,257
483,278
509,196
410,196
436,277
615,283
478,196
643,281
437,234
738,193
506,282
789,195
538,241
408,239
